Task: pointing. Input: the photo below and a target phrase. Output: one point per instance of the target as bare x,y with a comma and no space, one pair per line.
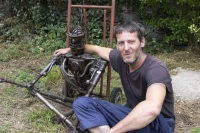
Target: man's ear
143,42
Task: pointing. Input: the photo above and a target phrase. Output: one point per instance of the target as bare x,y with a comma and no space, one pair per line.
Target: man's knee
80,102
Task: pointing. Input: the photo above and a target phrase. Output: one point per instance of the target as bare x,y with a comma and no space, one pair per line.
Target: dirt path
186,85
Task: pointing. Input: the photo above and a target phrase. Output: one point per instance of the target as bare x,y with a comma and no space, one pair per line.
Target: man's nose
126,46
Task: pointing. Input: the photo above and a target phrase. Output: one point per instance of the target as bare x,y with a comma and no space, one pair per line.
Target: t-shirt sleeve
159,75
114,58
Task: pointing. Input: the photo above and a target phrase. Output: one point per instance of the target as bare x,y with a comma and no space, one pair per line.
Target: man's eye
130,42
121,43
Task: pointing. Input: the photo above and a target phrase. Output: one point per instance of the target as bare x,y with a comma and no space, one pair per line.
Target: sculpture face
76,36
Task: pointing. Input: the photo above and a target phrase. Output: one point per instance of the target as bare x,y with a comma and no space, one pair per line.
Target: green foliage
9,92
24,76
48,38
36,23
42,25
52,79
95,27
153,46
173,18
195,31
3,129
9,52
195,130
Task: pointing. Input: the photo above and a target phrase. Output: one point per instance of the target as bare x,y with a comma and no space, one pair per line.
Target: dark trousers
92,113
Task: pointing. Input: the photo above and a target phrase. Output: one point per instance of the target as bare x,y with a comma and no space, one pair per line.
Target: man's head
130,27
130,41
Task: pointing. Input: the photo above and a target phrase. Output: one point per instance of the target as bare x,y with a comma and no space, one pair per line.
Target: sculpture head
76,40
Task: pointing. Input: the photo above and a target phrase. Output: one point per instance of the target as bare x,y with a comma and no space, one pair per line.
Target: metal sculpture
80,70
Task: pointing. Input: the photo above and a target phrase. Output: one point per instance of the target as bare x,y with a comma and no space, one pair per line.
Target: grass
3,129
9,92
39,117
15,98
42,120
186,59
52,80
195,130
23,76
9,52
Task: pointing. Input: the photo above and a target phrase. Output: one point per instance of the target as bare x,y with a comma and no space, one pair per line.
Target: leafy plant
195,32
38,21
49,38
173,18
152,46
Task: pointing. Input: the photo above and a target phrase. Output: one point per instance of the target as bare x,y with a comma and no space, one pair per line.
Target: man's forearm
102,52
145,112
90,49
139,117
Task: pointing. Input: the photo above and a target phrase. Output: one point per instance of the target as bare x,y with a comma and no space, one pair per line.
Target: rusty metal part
112,17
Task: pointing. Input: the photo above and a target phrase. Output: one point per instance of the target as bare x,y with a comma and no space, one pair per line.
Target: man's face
129,46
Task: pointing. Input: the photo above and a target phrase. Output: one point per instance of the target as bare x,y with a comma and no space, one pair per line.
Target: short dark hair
130,27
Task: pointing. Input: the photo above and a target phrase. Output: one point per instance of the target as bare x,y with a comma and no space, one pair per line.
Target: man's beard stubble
134,59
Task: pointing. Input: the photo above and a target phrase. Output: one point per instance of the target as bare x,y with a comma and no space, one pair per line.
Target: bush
175,19
36,23
44,22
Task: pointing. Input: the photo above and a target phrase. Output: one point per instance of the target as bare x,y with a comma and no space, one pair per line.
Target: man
146,83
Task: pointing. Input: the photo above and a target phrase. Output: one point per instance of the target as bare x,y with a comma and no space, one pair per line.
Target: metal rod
104,44
104,29
91,6
111,45
68,21
53,108
85,25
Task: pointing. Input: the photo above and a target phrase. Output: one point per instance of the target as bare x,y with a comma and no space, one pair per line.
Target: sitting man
146,83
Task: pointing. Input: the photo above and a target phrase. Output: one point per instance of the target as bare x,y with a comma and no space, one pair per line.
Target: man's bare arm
145,112
102,52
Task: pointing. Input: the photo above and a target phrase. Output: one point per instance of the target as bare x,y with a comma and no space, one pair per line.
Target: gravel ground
186,84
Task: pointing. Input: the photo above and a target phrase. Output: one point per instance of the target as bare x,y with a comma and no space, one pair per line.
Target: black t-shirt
135,84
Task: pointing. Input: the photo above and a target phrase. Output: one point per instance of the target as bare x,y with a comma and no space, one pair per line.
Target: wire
81,19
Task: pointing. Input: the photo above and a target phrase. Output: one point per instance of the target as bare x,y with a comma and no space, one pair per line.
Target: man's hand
62,51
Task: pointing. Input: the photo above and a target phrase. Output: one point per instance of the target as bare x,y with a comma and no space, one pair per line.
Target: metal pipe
85,25
91,6
68,20
111,42
104,44
104,28
53,108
